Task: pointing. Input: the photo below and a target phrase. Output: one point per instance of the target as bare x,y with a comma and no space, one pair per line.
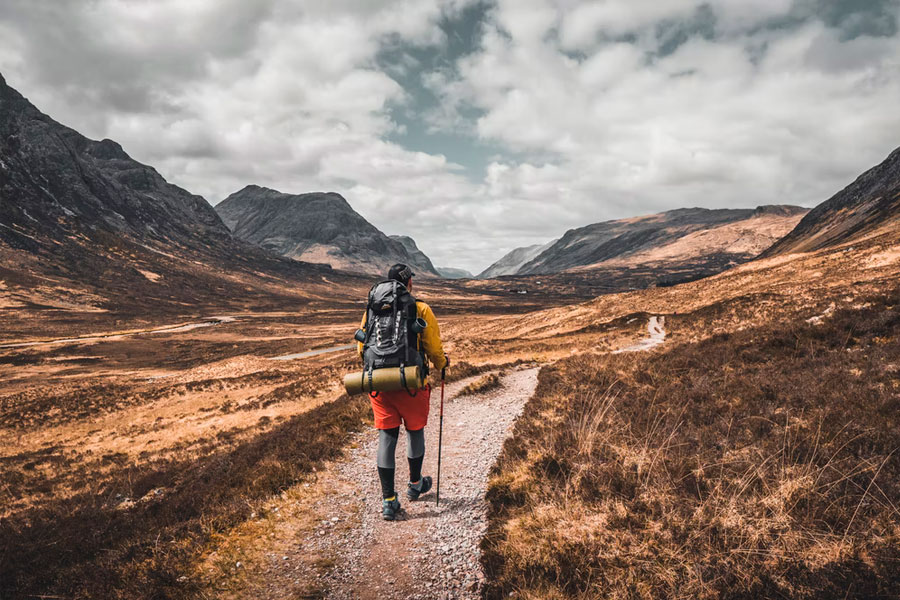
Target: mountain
419,261
451,273
315,227
867,204
720,236
83,226
659,250
514,260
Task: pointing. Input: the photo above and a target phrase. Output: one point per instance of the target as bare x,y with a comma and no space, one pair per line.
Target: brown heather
86,546
487,383
758,464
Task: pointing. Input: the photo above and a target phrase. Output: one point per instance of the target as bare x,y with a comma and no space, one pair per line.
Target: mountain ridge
420,259
317,227
512,261
598,243
84,225
454,273
869,202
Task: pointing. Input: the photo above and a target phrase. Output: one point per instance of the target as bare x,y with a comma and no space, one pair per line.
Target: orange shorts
392,407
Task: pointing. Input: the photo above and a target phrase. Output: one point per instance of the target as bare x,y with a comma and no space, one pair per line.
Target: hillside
656,250
511,262
315,227
864,206
723,236
86,229
452,273
417,259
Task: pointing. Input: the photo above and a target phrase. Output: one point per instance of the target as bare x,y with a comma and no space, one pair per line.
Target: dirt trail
329,540
309,353
433,551
180,328
656,327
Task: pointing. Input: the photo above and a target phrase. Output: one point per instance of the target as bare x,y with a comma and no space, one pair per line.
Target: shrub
762,463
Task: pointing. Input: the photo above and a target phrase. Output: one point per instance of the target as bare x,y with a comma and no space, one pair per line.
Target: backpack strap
412,393
403,378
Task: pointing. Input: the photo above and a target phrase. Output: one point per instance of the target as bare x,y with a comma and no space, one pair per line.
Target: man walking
406,407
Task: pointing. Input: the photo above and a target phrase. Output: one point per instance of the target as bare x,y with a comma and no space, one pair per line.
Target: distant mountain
451,273
315,227
656,250
418,259
724,236
514,260
870,202
84,226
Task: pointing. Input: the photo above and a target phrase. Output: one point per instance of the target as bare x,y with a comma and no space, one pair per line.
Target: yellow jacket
429,340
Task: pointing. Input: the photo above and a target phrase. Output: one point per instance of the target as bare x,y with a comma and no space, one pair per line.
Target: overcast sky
476,127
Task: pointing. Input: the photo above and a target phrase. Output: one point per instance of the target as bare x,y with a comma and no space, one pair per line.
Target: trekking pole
437,495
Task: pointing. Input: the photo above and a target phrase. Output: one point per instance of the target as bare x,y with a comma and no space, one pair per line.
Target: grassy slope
762,463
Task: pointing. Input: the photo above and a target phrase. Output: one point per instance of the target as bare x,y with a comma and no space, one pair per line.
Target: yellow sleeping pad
383,380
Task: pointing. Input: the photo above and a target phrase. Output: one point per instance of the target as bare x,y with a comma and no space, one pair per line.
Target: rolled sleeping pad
383,380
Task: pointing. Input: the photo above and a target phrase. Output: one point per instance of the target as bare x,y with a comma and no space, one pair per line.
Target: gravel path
656,328
433,552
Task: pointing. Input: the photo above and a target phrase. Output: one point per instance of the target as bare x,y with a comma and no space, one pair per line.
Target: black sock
415,468
386,475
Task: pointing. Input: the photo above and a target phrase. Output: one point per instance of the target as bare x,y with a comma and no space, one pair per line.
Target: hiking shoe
390,508
413,491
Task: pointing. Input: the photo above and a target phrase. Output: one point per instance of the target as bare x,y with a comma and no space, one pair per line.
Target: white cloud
713,124
595,113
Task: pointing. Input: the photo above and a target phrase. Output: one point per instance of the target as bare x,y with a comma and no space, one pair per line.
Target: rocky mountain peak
419,258
318,227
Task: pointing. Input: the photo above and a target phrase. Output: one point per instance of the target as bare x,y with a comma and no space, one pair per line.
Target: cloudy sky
476,127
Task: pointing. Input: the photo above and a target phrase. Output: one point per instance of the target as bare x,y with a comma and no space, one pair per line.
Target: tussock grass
489,382
758,464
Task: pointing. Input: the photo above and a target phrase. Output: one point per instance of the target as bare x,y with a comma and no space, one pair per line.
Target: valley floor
754,451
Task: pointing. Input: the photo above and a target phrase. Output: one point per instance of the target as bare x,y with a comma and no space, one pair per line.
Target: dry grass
136,533
758,464
489,382
130,514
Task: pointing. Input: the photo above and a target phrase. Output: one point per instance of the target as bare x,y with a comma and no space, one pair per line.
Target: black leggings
387,449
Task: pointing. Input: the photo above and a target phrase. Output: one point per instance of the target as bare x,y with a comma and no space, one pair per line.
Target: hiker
409,407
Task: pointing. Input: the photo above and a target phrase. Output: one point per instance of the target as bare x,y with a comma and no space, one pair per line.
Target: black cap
401,273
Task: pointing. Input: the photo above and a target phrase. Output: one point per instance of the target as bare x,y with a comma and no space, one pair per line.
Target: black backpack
392,328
